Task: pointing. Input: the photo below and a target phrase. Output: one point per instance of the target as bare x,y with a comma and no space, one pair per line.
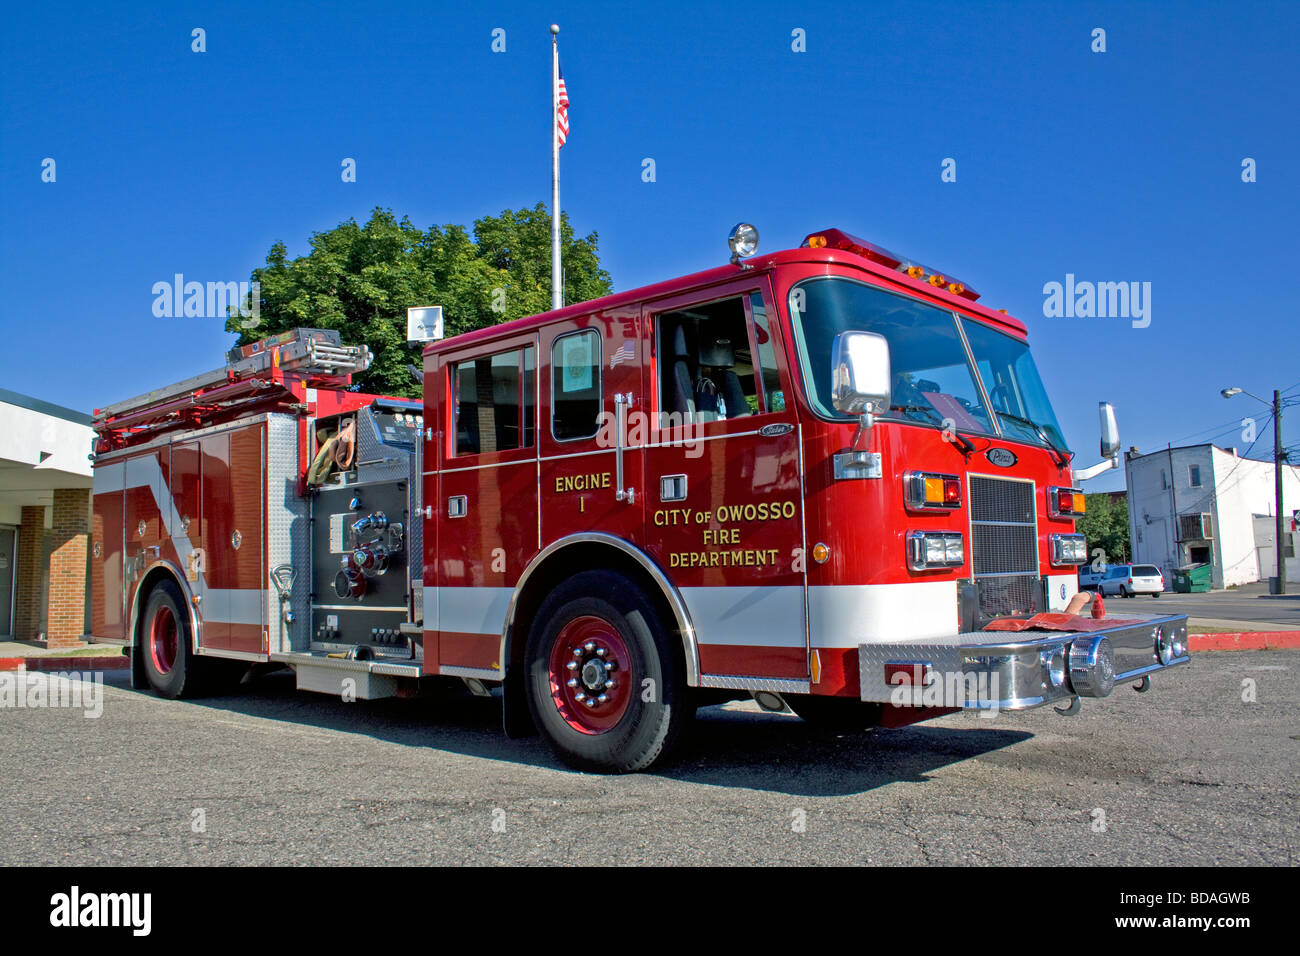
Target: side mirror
860,373
1109,431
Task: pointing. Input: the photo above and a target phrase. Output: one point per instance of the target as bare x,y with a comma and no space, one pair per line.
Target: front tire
606,687
166,644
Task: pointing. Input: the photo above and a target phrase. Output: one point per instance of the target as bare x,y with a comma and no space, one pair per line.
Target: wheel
835,713
1156,595
606,688
165,643
1123,591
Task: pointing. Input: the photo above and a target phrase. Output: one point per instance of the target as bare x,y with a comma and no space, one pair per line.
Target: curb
86,663
1245,641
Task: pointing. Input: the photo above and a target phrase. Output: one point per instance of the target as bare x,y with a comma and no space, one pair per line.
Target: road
1189,773
1250,603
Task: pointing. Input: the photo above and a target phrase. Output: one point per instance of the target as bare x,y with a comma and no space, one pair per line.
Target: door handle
621,404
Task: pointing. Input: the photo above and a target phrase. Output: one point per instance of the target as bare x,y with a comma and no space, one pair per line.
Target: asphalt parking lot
1250,603
1198,771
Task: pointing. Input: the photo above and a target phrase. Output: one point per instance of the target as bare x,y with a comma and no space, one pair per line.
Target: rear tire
1123,592
166,643
835,713
593,619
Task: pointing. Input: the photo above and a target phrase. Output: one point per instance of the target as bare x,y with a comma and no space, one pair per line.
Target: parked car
1127,580
1090,578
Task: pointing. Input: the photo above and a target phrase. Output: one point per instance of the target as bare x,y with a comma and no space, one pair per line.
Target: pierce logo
1001,457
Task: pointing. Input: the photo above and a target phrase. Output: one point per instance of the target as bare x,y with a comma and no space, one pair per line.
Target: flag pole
557,284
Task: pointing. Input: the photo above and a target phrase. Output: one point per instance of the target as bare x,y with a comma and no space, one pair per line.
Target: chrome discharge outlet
1092,667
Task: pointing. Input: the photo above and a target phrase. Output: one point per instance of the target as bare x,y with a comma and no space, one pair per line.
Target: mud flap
515,718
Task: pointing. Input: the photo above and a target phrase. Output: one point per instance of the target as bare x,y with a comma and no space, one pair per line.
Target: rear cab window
493,406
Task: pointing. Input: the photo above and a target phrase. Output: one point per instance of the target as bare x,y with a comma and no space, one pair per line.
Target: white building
45,518
1202,503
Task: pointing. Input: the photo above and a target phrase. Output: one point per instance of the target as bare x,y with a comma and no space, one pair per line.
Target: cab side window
575,385
493,408
707,369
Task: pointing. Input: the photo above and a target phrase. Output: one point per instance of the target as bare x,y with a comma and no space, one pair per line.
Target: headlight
1068,548
935,549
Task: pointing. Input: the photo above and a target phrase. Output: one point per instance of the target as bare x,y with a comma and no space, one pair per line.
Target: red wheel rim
591,675
163,640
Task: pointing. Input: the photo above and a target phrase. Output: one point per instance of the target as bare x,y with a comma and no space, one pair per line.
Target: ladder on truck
306,357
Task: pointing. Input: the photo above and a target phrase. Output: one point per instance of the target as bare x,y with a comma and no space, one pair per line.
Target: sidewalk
28,655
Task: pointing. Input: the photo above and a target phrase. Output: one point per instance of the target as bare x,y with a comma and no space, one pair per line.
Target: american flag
624,353
562,110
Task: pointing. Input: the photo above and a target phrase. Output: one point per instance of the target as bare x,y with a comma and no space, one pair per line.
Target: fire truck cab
825,477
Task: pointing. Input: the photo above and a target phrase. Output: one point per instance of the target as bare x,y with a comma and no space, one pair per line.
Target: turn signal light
1066,502
926,492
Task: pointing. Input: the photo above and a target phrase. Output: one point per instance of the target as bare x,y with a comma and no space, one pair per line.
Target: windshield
1013,386
932,379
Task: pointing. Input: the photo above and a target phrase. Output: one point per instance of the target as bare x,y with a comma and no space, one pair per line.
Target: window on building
575,385
1164,481
1194,475
494,406
1288,545
707,369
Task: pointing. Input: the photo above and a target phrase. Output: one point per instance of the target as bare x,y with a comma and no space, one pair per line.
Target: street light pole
1277,477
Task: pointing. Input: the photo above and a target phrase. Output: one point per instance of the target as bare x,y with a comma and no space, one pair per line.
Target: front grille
1004,546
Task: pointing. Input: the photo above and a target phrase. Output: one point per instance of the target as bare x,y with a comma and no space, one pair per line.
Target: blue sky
1115,166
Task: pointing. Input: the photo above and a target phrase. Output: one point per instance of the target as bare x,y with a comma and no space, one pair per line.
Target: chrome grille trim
1004,543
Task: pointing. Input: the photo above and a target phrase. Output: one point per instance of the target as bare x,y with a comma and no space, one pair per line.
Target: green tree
1106,526
360,280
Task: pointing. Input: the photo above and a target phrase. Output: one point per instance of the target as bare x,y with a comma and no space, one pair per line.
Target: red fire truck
825,477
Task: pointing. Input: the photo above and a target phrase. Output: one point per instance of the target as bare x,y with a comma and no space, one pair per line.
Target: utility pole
1277,478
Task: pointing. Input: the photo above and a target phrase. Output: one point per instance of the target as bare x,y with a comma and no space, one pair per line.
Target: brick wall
67,596
28,593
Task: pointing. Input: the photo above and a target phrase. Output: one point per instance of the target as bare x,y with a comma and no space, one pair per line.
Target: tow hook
1075,705
1143,685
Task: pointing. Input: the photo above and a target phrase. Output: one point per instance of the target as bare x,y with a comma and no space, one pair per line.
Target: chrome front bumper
1017,670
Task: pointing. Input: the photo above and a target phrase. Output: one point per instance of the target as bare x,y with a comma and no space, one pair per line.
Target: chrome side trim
480,673
689,643
776,685
231,655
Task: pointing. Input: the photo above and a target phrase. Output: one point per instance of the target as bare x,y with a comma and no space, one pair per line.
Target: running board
351,680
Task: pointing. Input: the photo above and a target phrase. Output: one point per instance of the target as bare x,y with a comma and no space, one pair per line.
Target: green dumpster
1194,577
